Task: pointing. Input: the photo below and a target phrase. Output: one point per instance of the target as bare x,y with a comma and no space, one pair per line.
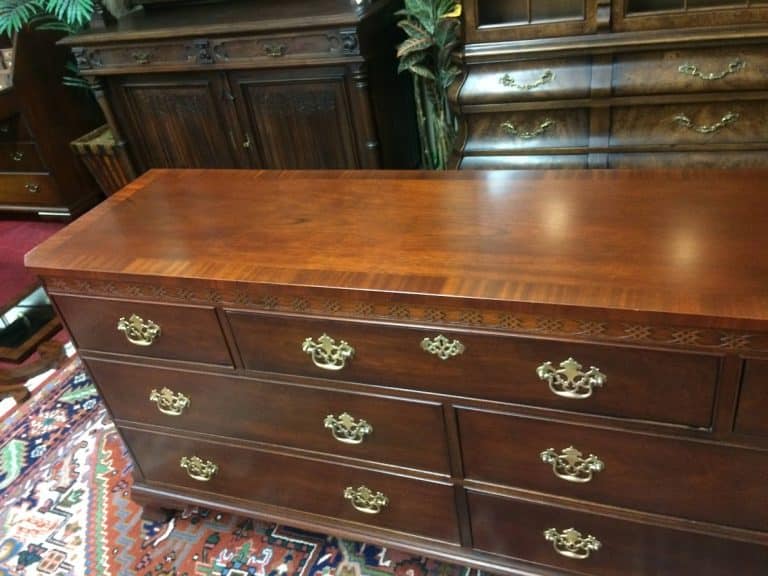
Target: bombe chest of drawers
534,373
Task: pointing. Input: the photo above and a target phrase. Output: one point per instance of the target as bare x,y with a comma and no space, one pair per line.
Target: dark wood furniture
530,372
269,84
39,117
613,83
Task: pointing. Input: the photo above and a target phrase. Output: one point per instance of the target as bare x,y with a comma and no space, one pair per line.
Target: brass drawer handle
441,347
366,500
571,466
570,381
571,544
509,82
512,128
142,57
33,188
169,402
326,353
138,331
198,469
685,122
734,66
275,50
346,429
17,156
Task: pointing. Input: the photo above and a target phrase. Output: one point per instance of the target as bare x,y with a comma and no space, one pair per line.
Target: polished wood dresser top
534,373
669,241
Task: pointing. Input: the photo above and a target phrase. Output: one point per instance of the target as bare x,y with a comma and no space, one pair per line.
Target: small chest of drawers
532,373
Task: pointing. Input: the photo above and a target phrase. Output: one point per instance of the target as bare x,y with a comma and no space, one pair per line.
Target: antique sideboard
535,373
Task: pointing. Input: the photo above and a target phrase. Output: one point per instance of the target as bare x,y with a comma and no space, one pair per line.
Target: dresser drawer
315,486
28,189
524,162
752,415
399,432
516,528
526,80
690,123
529,129
20,157
13,128
664,386
692,480
187,333
700,70
715,159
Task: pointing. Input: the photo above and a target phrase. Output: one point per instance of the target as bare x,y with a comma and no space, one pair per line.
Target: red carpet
65,481
17,237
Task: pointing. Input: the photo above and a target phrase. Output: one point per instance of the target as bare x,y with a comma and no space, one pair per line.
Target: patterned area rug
65,509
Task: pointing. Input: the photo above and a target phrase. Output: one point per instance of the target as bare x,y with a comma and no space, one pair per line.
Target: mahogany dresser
535,373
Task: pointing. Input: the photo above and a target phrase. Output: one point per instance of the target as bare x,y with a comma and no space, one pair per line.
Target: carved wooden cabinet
277,84
622,83
533,373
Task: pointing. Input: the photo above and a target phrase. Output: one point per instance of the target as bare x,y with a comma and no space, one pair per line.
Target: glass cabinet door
491,20
656,14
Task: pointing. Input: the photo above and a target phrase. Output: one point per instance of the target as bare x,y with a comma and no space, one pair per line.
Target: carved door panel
179,120
297,118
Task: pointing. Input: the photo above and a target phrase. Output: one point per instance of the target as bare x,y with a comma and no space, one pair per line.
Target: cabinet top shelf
668,241
228,18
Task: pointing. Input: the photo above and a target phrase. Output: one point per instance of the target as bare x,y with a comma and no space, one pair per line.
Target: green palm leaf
73,12
14,14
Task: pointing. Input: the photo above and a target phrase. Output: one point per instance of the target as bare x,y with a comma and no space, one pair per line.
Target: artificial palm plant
432,27
65,15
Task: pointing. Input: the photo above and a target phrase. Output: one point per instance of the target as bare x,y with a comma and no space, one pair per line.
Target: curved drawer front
516,528
690,123
420,507
528,129
700,70
692,480
647,384
526,80
718,159
524,162
398,432
186,333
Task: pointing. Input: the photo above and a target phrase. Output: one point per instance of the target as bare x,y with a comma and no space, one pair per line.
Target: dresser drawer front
186,333
752,415
528,129
652,385
700,70
676,477
524,162
399,432
20,157
690,123
28,189
13,128
526,80
420,507
278,49
515,528
144,55
718,159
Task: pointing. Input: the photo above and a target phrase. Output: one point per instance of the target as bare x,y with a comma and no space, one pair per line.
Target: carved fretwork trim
382,307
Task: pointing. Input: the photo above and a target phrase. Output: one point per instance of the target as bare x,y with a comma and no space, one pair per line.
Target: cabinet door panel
298,118
177,121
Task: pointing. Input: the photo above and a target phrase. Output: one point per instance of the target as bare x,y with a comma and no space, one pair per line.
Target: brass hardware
169,402
569,380
734,66
346,429
275,50
34,188
571,466
327,354
441,347
528,135
137,331
366,500
4,128
685,122
198,469
17,156
508,81
141,57
571,544
247,143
